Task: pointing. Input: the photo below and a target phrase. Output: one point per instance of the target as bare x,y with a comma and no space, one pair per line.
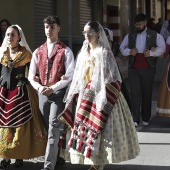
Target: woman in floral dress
22,131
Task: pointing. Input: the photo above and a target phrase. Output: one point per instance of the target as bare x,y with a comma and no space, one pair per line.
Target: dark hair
8,24
160,19
52,20
5,20
106,31
94,25
140,17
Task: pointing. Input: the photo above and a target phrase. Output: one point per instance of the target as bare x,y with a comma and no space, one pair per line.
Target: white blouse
69,67
141,45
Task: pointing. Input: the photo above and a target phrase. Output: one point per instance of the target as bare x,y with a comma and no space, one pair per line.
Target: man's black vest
150,42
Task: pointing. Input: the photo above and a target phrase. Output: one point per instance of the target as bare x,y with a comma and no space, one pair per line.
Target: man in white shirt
142,66
50,63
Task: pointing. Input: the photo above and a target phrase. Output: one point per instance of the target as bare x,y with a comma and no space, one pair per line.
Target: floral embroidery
21,80
9,137
41,136
6,137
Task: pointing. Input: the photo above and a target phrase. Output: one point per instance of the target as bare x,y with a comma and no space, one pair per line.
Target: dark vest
150,42
51,70
11,77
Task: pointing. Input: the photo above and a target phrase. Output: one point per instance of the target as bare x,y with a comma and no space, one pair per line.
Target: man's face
51,31
140,26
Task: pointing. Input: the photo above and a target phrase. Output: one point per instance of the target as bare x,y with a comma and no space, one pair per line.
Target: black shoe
60,162
18,163
5,165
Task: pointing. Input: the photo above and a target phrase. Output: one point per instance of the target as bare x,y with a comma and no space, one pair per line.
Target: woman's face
90,35
12,37
4,26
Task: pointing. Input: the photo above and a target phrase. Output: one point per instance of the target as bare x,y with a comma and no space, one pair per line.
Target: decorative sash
140,61
88,123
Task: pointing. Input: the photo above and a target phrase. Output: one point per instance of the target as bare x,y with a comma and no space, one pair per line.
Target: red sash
140,61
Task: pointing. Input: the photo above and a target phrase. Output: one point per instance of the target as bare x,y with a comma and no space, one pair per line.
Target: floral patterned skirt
28,140
118,142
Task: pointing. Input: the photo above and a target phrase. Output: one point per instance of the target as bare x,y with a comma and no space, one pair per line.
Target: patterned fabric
89,122
28,140
118,142
23,57
22,131
163,104
15,108
54,66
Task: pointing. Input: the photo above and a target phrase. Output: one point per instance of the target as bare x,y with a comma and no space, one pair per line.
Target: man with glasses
142,66
51,70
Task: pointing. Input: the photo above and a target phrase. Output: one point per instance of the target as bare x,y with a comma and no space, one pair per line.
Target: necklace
13,49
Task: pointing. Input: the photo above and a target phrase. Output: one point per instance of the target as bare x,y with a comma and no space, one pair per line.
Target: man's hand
133,51
147,53
47,91
63,77
153,49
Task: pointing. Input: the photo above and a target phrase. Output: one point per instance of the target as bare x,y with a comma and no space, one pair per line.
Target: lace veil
23,42
105,70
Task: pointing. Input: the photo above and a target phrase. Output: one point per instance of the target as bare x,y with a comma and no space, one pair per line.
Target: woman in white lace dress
102,130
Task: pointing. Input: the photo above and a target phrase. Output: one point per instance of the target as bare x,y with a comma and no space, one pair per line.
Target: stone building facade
117,15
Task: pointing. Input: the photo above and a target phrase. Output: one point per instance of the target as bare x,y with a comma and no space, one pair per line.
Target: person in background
22,131
158,25
142,66
151,23
53,65
124,88
114,45
102,130
163,104
4,24
165,30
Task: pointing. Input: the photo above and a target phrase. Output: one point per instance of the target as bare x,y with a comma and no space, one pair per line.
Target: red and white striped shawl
89,122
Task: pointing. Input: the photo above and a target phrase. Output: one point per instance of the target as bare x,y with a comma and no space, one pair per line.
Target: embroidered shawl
89,122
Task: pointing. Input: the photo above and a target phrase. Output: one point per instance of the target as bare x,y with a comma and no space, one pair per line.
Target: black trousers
125,92
140,83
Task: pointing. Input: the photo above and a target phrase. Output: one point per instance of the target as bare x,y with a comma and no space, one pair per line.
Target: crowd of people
78,109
